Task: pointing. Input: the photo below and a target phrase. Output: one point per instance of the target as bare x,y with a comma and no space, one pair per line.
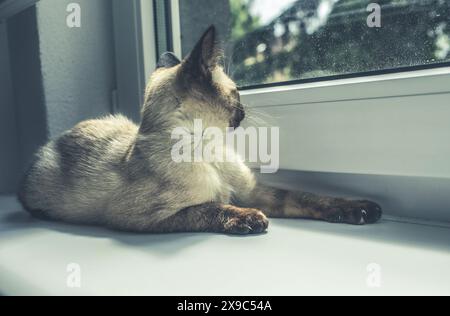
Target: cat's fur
114,173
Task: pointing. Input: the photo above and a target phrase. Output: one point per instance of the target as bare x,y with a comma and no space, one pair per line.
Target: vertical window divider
135,51
176,27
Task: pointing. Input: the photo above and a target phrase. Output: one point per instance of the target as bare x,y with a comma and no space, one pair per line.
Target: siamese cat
113,173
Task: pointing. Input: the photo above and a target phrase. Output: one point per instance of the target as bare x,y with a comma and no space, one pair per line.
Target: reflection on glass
271,41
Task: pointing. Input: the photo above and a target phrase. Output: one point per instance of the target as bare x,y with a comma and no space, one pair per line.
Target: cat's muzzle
238,117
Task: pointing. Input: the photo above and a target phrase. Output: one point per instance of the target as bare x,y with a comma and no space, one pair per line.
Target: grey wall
9,147
25,68
56,76
77,64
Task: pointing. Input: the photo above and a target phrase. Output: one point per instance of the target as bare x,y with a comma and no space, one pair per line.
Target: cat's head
194,88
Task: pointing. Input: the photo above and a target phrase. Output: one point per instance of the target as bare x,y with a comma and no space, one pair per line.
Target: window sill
326,258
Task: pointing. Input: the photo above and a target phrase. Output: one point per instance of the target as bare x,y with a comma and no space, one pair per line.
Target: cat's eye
236,95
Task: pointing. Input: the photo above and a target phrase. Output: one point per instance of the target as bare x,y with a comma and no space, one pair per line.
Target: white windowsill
296,257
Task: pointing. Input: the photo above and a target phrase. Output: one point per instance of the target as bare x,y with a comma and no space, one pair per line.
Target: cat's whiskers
254,116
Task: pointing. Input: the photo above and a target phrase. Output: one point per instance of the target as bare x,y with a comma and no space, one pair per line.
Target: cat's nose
239,116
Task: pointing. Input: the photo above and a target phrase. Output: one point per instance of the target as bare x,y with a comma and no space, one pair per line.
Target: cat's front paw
356,213
245,222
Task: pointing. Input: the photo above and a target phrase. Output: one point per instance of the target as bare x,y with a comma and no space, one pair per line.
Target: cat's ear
168,60
204,57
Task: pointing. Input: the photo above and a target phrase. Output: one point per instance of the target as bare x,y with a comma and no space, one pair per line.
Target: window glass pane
268,41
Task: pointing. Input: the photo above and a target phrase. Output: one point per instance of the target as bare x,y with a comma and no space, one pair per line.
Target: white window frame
134,33
411,83
176,28
417,85
432,84
401,174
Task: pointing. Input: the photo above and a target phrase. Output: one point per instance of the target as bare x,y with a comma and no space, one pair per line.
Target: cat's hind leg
278,203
